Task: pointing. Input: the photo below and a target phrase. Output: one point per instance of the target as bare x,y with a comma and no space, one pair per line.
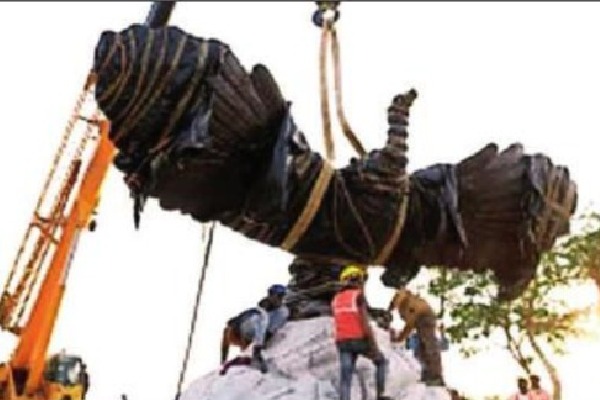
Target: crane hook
318,17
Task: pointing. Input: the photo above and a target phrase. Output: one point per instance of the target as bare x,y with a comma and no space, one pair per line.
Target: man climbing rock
274,314
416,313
353,334
255,326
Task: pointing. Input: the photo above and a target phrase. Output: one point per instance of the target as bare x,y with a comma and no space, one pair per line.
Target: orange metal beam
30,353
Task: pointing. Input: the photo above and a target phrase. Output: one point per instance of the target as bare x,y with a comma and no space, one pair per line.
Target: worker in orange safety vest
353,334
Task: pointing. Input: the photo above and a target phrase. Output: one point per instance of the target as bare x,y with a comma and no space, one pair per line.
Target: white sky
485,72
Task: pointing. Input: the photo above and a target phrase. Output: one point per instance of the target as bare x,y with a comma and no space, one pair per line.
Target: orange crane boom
58,235
31,350
29,375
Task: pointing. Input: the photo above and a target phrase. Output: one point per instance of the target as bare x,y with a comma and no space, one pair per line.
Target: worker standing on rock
353,333
416,313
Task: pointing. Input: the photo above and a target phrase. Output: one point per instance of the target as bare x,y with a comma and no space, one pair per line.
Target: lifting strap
199,291
327,172
329,36
389,245
310,209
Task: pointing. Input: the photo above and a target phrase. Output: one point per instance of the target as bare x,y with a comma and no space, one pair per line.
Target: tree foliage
536,324
583,250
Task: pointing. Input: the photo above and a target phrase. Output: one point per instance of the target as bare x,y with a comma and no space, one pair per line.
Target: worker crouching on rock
353,334
255,326
416,313
274,314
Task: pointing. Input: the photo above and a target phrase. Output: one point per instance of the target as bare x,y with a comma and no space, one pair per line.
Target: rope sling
325,17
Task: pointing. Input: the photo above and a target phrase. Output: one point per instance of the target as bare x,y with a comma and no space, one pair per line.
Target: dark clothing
359,346
349,351
428,351
236,322
267,304
413,343
237,361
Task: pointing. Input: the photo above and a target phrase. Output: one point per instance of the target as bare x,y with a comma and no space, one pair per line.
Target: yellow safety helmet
352,271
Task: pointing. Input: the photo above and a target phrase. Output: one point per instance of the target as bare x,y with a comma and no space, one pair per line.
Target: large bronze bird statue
204,137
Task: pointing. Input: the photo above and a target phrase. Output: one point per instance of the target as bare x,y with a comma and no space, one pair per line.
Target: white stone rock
303,365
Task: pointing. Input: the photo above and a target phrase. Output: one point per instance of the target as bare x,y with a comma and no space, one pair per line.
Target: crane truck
35,285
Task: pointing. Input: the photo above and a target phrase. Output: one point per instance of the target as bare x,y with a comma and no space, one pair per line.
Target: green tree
535,326
585,250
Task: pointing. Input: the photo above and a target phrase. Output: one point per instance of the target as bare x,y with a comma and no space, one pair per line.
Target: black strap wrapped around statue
202,136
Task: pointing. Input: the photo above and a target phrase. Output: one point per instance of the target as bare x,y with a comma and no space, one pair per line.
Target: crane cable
329,36
199,290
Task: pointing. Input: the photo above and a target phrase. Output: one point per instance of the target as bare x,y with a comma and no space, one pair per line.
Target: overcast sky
485,72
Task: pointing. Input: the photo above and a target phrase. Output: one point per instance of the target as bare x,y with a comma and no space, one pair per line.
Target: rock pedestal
303,365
